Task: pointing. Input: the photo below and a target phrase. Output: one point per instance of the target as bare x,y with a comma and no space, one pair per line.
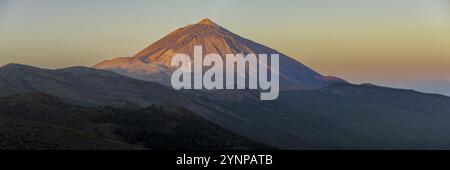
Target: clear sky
399,43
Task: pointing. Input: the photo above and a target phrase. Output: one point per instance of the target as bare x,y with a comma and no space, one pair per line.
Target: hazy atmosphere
402,43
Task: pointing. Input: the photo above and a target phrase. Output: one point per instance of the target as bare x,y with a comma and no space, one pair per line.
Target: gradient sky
398,43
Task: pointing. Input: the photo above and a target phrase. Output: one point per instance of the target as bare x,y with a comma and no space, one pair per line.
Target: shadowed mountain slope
341,116
86,86
42,121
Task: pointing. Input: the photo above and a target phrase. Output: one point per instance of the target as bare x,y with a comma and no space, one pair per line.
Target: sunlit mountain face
154,62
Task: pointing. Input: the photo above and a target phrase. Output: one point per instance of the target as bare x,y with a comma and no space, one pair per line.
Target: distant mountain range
125,103
154,62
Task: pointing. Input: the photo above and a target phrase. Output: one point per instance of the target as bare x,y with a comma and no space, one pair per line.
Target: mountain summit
154,62
207,21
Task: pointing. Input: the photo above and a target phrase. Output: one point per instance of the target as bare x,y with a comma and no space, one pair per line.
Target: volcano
154,62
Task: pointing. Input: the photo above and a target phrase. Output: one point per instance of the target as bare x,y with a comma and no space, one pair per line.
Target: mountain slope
41,121
341,116
85,86
153,62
